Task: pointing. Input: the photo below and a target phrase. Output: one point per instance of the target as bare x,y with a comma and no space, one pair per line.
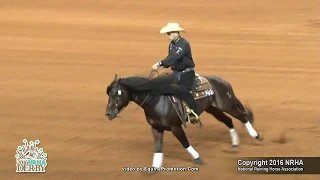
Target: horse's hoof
260,137
198,161
235,147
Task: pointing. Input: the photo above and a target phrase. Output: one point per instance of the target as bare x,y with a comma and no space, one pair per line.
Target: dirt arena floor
58,56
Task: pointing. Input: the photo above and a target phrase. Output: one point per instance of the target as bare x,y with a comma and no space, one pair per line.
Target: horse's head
119,98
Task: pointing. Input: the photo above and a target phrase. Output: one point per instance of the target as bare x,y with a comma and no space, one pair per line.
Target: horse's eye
119,92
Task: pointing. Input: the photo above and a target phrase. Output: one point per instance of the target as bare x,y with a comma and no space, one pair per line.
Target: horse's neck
144,100
139,98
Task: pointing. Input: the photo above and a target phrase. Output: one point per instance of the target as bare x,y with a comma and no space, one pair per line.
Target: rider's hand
155,66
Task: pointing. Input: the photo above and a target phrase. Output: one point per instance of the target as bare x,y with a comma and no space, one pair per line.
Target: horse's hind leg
238,113
178,132
219,115
247,112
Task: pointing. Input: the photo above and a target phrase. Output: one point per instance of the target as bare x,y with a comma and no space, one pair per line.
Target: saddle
201,89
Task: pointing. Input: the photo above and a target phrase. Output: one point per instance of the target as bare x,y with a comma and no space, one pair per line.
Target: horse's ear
115,77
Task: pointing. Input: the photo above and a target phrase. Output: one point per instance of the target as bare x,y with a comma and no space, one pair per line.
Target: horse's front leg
158,154
178,132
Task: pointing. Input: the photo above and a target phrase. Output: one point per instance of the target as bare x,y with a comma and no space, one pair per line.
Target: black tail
245,109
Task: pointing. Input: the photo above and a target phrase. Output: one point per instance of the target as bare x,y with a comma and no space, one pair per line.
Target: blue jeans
177,75
187,79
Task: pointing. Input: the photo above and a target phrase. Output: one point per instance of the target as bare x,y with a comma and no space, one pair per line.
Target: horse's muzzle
111,114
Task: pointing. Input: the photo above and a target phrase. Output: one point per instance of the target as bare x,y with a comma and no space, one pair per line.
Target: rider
181,62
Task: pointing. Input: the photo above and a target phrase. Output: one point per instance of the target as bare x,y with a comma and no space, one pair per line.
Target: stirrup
195,115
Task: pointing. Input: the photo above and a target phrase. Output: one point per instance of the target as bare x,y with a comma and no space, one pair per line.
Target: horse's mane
164,84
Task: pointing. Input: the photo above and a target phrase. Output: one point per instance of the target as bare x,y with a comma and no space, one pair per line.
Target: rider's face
172,36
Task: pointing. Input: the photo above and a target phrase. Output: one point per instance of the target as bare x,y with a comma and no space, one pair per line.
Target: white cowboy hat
171,27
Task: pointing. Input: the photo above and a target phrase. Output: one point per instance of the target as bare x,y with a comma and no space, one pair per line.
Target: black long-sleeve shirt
180,56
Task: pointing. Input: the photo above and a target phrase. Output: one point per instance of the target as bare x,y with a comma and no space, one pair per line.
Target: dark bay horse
155,97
